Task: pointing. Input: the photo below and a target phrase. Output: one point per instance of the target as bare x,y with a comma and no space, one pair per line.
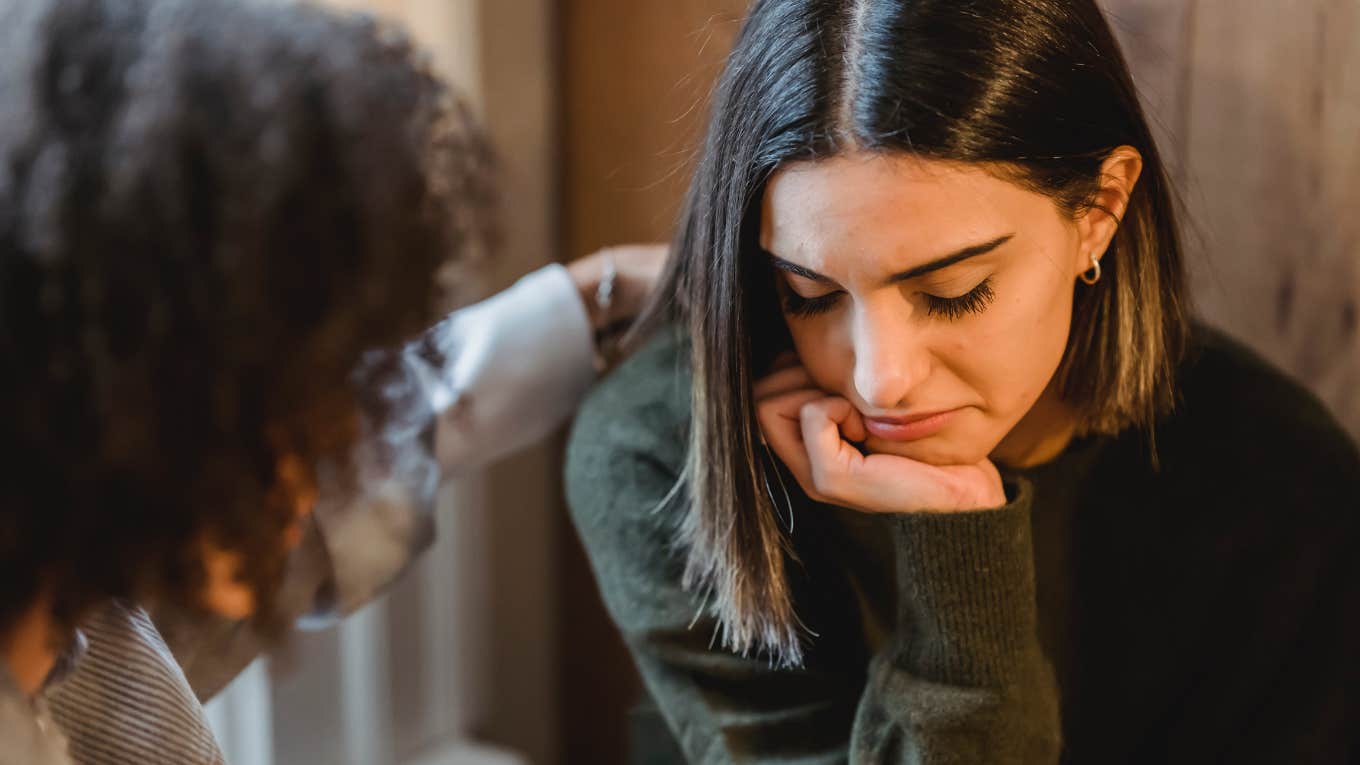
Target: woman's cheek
815,340
1028,336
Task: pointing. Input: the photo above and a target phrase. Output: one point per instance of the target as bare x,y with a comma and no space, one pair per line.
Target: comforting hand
812,433
636,267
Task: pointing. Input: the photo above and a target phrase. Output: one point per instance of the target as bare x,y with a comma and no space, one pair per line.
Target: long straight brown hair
1036,88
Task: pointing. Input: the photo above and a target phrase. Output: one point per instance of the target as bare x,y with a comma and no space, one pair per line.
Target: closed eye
803,307
974,301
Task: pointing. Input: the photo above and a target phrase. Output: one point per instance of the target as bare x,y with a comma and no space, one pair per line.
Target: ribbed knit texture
968,592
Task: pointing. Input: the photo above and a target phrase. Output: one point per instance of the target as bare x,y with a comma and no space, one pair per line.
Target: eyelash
975,301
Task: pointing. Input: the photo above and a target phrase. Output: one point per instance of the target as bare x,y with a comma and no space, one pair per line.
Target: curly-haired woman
213,216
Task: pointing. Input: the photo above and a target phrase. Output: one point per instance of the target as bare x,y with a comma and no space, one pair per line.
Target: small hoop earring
1092,275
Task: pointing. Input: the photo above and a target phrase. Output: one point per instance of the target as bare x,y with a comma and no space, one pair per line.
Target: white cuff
518,364
510,370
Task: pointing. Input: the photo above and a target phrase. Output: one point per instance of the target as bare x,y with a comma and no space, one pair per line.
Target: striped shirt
126,700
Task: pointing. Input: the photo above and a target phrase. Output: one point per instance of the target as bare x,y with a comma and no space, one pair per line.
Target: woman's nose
890,360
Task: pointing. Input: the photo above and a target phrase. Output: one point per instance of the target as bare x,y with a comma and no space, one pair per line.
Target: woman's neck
1041,435
30,647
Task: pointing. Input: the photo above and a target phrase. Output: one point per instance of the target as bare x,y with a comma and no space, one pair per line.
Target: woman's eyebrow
957,256
972,251
794,268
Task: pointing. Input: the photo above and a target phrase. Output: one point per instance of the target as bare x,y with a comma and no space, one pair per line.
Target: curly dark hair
209,209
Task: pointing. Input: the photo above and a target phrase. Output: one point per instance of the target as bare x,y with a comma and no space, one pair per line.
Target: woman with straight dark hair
924,460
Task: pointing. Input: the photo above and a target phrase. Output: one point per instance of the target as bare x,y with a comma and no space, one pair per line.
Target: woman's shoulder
624,462
628,443
643,403
1237,410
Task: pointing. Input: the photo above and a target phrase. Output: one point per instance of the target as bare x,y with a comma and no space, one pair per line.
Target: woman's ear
1098,225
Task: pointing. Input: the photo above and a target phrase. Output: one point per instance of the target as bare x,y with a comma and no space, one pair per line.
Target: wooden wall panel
1261,101
637,80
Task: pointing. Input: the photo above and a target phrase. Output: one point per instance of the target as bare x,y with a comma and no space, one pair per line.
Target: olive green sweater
1199,610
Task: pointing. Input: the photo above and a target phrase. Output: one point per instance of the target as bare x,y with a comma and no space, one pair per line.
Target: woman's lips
908,428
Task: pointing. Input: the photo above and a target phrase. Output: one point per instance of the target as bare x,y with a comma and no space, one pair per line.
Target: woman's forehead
895,207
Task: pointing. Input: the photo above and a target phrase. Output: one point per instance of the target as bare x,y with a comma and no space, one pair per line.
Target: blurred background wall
497,645
1258,105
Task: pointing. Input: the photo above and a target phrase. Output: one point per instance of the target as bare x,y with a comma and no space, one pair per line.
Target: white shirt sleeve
498,376
517,366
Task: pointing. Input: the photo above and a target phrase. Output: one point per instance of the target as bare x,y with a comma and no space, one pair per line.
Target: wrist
585,274
983,489
987,499
596,278
975,624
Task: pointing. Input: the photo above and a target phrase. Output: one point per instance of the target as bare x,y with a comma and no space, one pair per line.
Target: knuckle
823,481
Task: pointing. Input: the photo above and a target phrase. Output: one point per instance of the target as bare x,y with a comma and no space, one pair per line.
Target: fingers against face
832,460
786,379
814,433
790,410
779,418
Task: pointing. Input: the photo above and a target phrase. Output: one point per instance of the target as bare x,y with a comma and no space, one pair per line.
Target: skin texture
885,347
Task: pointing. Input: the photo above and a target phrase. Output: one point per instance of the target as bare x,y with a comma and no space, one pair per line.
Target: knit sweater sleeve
964,681
964,678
